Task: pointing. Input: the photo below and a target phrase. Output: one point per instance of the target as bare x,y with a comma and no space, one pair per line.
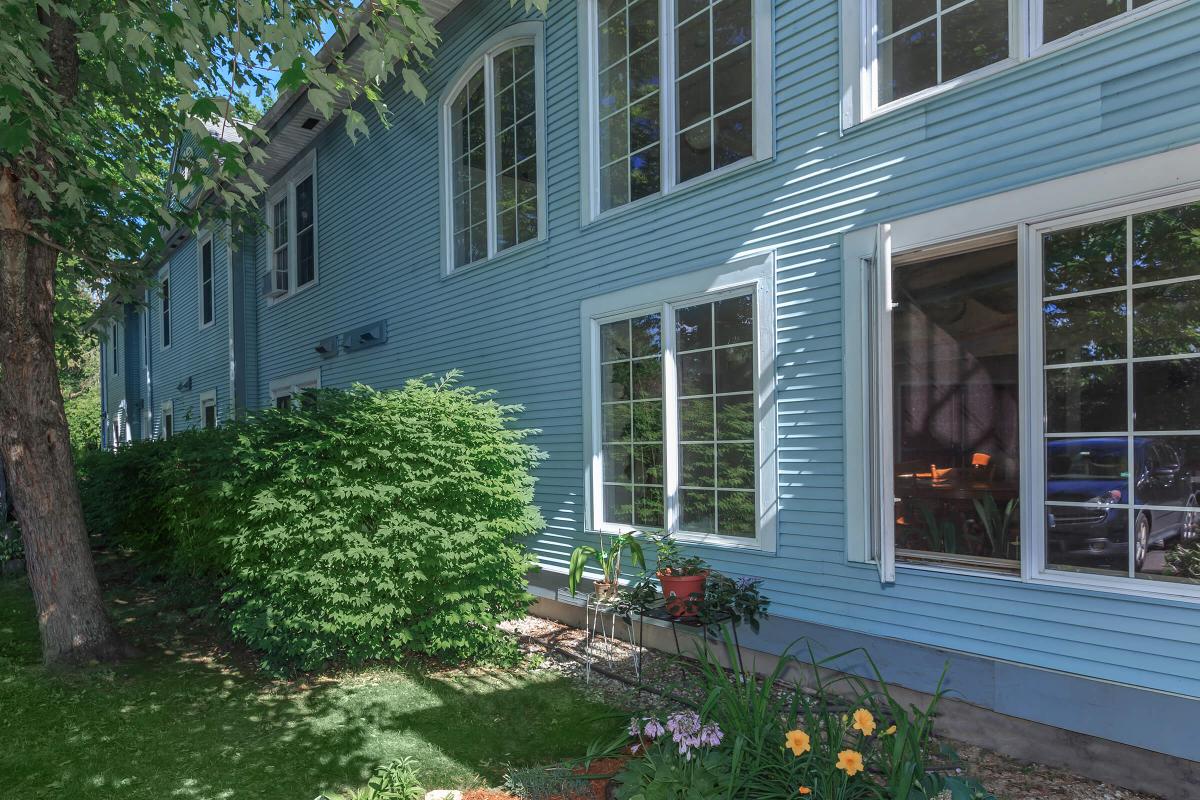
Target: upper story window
493,151
678,89
206,282
898,51
681,405
116,356
292,231
165,309
1028,400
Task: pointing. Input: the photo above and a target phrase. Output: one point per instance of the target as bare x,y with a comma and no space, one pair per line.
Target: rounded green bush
362,525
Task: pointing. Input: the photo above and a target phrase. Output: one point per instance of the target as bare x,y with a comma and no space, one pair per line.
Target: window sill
274,301
501,257
1066,43
746,164
713,541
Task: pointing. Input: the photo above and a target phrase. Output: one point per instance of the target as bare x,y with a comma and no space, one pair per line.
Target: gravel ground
554,646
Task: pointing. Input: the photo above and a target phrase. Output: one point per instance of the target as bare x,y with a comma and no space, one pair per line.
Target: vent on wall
364,337
310,123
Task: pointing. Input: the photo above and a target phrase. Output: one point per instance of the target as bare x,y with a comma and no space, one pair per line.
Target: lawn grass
188,719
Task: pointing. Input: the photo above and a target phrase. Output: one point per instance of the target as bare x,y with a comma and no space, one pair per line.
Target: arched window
493,150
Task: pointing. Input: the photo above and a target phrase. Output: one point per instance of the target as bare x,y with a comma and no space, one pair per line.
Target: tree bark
35,441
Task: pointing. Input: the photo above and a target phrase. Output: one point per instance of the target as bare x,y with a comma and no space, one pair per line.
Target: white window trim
206,238
167,410
114,356
165,342
293,385
763,114
859,87
285,187
531,32
1155,181
758,273
207,399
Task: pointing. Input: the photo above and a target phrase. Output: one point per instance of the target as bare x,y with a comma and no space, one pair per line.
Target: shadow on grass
187,720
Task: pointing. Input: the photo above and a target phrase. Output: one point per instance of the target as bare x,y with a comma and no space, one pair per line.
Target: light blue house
893,303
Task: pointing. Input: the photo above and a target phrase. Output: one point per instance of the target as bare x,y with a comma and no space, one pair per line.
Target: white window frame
115,355
1158,181
763,100
285,188
166,311
293,385
209,400
206,239
859,68
756,273
523,33
167,412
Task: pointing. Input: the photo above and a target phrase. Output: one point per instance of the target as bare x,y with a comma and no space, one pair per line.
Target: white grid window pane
468,142
516,147
1122,400
715,372
632,422
628,97
922,43
714,79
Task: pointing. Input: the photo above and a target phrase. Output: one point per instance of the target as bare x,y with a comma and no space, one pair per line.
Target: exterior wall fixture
185,386
364,337
327,347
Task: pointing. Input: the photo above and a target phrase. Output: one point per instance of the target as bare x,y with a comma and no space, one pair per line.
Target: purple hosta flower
635,727
711,735
654,728
746,584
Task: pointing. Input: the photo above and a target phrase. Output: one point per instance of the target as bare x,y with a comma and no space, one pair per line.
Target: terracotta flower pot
606,590
678,591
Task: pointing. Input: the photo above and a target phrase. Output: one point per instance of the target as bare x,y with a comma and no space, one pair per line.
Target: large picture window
493,152
683,412
902,50
679,89
1027,401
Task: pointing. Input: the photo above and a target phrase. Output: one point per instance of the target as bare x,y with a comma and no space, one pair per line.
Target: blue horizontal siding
512,324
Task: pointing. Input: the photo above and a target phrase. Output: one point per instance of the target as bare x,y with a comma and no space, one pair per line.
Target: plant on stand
682,577
608,556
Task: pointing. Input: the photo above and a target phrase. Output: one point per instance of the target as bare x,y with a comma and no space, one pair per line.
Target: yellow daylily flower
890,731
799,742
863,721
850,762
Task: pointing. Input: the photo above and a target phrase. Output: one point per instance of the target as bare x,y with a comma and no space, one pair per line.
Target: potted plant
608,556
682,577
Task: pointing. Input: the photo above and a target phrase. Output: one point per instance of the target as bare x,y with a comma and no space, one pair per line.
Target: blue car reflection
1094,471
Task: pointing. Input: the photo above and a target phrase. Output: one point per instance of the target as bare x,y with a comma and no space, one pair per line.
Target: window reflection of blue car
1093,471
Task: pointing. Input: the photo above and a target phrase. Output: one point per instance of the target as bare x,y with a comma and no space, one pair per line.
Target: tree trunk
36,450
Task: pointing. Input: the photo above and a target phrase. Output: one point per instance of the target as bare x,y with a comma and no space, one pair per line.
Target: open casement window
1026,400
678,89
493,150
682,417
292,231
899,51
287,393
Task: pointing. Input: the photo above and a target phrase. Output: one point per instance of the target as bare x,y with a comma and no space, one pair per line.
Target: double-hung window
677,89
1026,400
165,308
206,282
897,51
116,355
493,150
681,418
292,230
208,409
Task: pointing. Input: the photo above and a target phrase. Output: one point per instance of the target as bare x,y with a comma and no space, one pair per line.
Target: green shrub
396,780
359,526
